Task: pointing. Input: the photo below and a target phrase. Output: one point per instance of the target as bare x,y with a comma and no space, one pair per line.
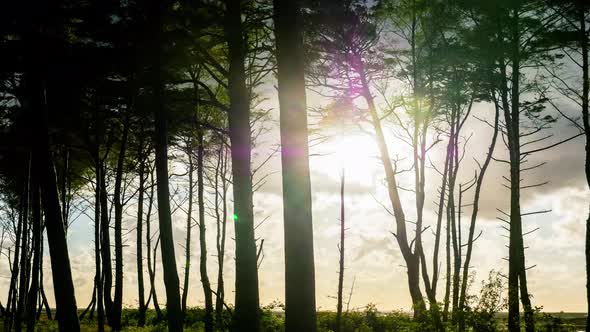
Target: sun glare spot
353,153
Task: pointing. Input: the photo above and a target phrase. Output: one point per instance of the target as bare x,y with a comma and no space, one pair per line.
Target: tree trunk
2,237
300,305
44,302
174,312
65,184
105,245
117,201
246,316
412,259
36,221
22,290
456,245
98,285
438,232
139,250
151,266
341,251
584,36
12,291
516,266
189,222
202,235
60,263
220,172
474,212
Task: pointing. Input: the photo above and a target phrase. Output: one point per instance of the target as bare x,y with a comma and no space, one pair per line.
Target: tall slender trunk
341,252
584,36
97,242
105,245
56,237
189,222
118,202
12,291
246,316
300,305
22,290
516,266
474,212
202,234
148,242
171,281
412,259
2,238
65,184
438,232
455,236
44,302
36,247
221,171
449,216
60,263
139,250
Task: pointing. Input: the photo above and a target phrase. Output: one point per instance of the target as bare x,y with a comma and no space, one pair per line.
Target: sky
373,261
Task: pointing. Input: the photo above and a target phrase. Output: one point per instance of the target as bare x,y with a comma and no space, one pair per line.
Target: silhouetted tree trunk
438,231
189,222
2,238
246,316
447,297
105,245
117,201
60,263
300,305
12,289
98,285
221,173
412,259
139,250
454,229
148,241
202,234
174,312
65,187
516,259
474,212
36,247
582,9
341,252
22,290
43,297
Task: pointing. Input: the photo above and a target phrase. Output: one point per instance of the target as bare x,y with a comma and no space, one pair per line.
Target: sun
356,154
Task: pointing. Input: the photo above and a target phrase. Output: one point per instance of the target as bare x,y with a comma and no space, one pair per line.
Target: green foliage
483,317
368,320
482,309
547,322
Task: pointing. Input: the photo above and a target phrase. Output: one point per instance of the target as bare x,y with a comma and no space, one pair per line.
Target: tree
118,202
142,154
511,34
174,311
246,316
202,232
189,221
572,34
300,308
221,187
341,251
